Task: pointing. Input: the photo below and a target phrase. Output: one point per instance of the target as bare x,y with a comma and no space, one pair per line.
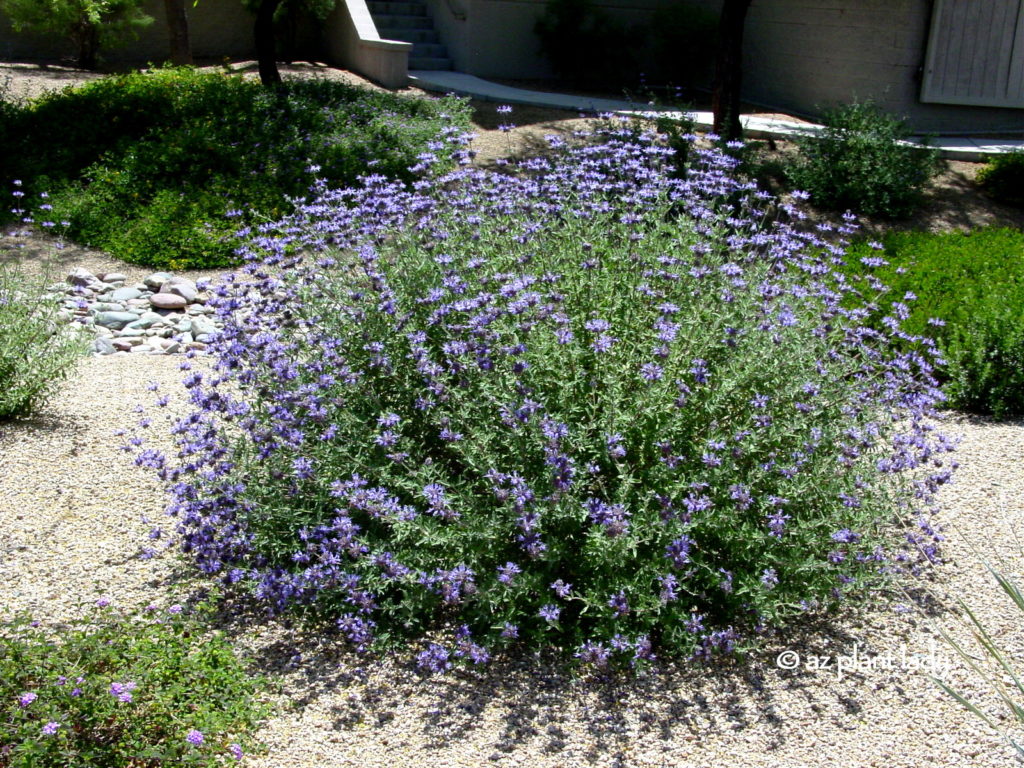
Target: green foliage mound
1003,178
146,165
861,162
150,689
973,285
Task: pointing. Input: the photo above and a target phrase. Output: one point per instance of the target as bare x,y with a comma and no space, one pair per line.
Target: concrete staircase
409,21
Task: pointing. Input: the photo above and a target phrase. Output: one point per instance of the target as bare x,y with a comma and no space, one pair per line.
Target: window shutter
976,53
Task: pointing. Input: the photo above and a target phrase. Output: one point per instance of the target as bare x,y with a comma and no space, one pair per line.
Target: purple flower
508,572
236,751
619,604
102,602
26,699
550,613
434,659
561,588
122,691
195,737
50,728
651,372
769,578
615,447
678,552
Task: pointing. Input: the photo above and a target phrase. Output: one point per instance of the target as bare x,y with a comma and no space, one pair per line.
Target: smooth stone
170,347
142,348
186,338
197,345
201,326
203,337
187,292
105,306
115,319
81,277
133,332
148,320
103,346
122,345
114,277
167,301
125,294
157,279
184,325
144,303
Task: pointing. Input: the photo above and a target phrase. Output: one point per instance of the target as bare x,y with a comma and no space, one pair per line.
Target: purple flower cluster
445,401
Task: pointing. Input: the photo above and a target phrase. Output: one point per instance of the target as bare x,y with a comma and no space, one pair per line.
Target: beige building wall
806,55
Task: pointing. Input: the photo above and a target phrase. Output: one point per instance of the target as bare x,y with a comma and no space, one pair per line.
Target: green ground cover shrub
858,163
1003,177
587,407
972,284
146,165
153,688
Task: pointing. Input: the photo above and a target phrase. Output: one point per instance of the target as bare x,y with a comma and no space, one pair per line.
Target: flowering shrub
145,690
585,406
37,350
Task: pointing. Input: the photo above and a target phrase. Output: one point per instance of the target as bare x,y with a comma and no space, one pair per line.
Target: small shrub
37,349
860,163
149,689
146,165
587,407
973,284
1003,177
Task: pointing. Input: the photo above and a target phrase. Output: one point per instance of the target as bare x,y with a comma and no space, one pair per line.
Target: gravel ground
71,510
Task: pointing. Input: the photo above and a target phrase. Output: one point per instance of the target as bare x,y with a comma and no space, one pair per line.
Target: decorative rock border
161,315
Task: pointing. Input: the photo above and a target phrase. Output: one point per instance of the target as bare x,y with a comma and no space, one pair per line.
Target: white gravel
71,509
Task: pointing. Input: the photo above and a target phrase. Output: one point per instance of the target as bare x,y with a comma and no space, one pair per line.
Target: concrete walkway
950,147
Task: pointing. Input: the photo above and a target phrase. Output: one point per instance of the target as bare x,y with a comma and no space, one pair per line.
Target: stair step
432,64
410,35
429,51
408,22
379,8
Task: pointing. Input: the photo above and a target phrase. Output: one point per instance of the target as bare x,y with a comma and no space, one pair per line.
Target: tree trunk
177,30
266,44
87,36
725,100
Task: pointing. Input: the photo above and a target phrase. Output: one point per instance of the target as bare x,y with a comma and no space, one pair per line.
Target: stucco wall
808,54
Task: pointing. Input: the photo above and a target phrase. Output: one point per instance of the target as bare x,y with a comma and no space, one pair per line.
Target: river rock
156,280
125,294
168,301
115,319
82,277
